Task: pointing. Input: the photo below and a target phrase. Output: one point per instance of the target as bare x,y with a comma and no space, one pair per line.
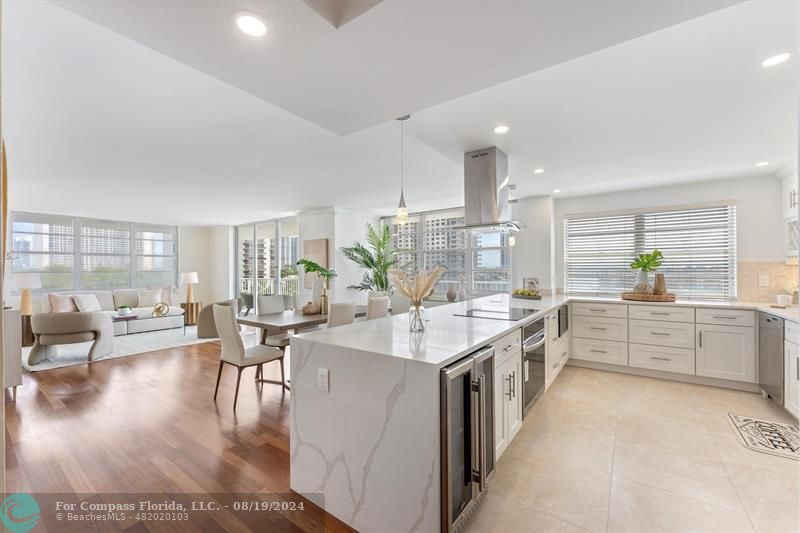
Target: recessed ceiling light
762,163
501,129
777,59
556,191
251,24
538,170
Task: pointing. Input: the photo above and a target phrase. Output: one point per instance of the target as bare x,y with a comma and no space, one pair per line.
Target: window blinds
699,247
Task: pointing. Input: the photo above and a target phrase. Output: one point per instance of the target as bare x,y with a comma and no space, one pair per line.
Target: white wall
531,257
760,230
350,227
221,257
316,225
193,256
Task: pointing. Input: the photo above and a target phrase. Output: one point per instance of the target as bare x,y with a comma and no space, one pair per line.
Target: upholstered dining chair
235,354
273,303
377,307
341,314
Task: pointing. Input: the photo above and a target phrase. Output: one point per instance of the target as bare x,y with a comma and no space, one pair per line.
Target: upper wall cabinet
790,196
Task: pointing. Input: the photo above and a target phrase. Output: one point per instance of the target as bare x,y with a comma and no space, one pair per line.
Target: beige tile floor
602,451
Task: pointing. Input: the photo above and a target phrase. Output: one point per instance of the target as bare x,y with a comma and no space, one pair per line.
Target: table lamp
25,281
189,279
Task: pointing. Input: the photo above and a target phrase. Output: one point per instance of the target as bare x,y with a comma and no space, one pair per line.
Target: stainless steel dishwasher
770,356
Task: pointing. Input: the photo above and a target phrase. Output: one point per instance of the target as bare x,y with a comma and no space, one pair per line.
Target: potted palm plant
645,264
326,274
377,258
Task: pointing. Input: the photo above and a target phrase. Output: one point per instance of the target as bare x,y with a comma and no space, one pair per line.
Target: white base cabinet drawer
674,334
607,329
600,310
726,317
792,332
680,360
657,312
612,352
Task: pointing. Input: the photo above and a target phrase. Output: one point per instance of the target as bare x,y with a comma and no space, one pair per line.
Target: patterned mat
767,436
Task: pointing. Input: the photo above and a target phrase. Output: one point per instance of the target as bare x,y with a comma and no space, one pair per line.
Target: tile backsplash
782,278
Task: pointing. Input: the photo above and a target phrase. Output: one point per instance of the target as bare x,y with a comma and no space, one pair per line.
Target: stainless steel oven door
533,371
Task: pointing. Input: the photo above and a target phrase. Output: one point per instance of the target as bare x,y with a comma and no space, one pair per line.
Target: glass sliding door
245,267
266,259
289,253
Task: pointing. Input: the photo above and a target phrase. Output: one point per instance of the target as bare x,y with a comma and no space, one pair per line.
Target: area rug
124,346
767,436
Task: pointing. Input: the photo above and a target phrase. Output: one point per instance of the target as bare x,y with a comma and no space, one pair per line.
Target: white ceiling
398,57
100,125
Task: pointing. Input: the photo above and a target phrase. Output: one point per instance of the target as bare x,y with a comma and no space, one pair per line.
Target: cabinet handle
563,354
555,365
701,339
599,310
508,348
598,351
514,384
601,329
508,392
797,367
660,333
661,358
726,317
659,313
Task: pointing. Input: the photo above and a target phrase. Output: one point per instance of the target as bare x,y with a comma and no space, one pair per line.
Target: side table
27,331
190,312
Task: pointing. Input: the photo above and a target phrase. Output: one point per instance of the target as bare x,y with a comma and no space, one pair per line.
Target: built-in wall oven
533,371
467,434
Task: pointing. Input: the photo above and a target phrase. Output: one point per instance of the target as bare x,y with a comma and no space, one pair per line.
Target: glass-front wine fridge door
457,440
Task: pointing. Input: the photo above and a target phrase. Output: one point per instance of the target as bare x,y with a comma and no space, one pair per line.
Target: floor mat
767,436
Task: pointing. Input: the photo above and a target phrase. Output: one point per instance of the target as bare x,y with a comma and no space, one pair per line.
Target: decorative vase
643,286
323,301
124,311
660,285
451,294
416,317
316,291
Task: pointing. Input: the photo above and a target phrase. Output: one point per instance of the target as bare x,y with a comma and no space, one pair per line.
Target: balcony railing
289,286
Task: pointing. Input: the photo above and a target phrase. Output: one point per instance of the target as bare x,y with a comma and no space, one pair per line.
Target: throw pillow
61,303
87,302
149,297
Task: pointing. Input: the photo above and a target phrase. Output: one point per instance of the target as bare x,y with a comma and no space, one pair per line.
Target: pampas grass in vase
416,288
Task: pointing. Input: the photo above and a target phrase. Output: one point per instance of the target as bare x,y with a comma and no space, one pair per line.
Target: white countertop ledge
447,338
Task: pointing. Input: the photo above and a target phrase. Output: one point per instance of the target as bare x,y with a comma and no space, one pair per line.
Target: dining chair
235,354
267,304
377,307
341,314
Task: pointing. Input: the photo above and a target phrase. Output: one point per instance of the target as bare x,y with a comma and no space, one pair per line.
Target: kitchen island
370,445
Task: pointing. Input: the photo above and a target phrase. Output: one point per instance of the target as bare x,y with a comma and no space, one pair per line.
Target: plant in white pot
645,264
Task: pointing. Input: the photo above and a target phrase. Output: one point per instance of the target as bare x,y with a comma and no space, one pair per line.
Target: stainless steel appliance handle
481,432
534,341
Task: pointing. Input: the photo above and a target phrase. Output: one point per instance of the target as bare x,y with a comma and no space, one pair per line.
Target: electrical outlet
323,380
763,279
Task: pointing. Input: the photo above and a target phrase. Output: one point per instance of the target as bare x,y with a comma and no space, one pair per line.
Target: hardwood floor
147,424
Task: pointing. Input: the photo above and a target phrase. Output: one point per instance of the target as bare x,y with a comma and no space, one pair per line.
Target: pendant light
401,216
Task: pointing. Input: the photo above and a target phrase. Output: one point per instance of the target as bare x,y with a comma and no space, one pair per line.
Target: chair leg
238,379
219,375
259,372
283,375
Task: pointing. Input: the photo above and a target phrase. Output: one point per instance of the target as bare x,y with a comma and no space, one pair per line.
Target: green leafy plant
309,266
648,262
378,258
123,306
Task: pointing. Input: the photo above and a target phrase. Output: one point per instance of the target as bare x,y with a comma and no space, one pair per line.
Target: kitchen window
70,253
483,259
698,243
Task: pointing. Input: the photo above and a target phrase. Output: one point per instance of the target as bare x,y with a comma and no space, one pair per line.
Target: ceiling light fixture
762,163
251,24
501,129
538,170
777,59
556,191
401,217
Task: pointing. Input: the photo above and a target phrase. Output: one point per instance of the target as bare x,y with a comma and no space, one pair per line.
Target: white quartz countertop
447,337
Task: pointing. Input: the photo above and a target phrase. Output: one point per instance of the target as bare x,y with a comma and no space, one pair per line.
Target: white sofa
145,321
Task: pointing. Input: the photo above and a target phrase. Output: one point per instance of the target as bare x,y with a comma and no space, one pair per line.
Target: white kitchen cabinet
507,402
726,352
556,357
791,376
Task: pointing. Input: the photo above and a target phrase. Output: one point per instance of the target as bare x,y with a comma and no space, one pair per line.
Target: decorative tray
526,297
635,296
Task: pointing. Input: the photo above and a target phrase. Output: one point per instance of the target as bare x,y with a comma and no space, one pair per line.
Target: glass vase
416,318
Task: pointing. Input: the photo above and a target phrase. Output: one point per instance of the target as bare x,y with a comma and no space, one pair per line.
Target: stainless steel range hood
486,191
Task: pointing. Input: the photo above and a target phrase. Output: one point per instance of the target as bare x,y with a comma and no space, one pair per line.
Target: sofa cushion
87,303
61,303
149,297
129,297
105,298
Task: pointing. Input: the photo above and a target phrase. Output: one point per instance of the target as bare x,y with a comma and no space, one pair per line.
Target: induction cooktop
511,313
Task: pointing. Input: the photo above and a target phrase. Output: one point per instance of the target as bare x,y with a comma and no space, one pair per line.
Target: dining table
290,320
